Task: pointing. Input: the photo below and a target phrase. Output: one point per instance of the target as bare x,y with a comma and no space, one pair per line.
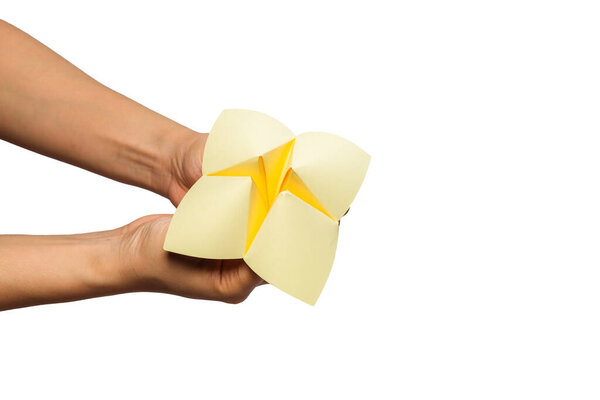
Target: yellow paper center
271,174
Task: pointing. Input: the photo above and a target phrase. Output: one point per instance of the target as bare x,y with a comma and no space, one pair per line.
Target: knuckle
235,299
235,296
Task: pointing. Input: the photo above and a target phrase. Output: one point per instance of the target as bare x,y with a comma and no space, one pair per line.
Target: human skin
51,107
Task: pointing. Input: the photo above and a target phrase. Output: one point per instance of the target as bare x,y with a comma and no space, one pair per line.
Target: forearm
50,269
49,106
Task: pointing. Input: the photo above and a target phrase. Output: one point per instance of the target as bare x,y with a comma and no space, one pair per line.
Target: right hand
154,269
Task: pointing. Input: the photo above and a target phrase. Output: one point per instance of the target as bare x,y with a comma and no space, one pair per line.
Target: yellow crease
271,174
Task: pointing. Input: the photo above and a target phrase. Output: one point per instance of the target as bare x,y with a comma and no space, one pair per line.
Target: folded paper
270,198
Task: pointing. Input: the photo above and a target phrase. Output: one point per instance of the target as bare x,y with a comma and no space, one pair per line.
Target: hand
186,165
153,269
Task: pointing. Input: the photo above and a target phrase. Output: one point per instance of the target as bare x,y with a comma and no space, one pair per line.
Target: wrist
107,274
184,164
167,151
173,158
139,254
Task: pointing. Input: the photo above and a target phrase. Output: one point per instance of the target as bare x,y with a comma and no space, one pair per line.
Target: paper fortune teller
271,198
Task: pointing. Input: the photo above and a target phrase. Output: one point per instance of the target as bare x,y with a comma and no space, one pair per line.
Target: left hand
185,166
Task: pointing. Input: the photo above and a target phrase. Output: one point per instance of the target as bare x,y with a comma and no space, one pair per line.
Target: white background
468,266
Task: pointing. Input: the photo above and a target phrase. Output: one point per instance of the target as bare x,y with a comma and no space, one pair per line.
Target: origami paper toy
271,198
